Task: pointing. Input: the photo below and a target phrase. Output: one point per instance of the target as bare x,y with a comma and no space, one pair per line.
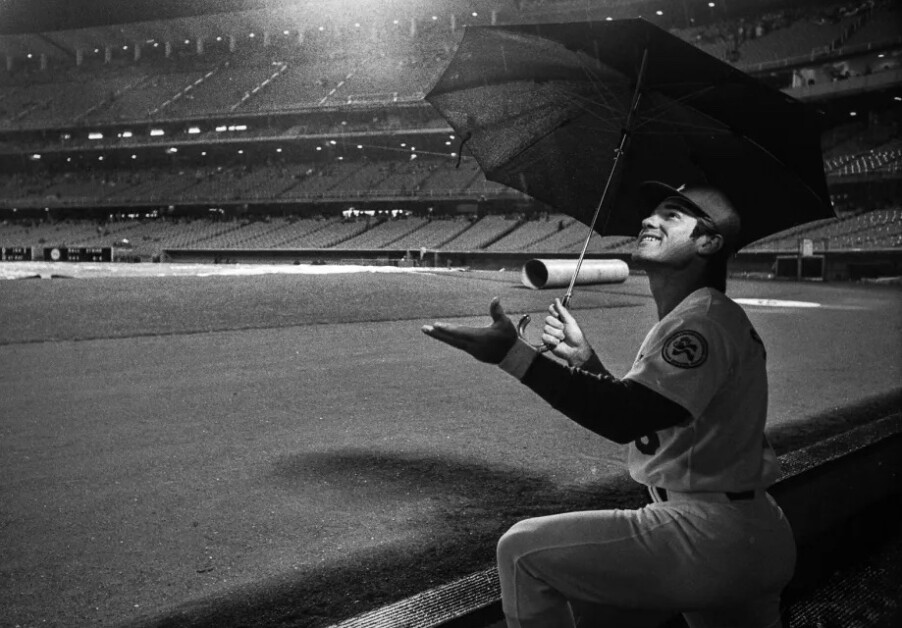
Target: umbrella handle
526,318
521,331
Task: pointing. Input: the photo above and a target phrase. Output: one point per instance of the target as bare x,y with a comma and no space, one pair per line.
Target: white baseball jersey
706,356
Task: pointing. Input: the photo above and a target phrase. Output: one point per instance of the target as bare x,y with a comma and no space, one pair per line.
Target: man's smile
648,237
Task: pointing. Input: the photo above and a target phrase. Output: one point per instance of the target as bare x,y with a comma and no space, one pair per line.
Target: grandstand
240,130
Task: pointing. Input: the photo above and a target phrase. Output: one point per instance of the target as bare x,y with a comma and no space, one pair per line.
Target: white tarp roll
556,273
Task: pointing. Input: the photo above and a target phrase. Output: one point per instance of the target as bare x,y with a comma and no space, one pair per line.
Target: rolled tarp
556,273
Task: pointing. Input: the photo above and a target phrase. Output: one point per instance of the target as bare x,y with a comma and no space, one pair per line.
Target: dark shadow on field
471,505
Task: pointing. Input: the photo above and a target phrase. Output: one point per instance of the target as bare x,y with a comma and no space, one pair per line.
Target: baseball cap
704,201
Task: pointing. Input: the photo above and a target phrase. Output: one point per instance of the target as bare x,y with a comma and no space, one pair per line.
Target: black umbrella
546,109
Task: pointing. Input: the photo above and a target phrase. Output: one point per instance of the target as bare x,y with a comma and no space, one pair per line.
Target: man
712,544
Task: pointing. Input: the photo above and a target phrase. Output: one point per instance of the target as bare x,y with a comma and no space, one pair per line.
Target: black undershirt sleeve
618,409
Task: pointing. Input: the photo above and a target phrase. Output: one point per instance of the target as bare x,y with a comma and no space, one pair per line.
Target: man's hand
563,337
486,344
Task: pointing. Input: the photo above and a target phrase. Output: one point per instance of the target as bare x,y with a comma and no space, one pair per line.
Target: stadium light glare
609,19
172,150
319,148
711,4
30,56
659,12
278,150
897,98
203,153
333,142
322,28
157,132
36,157
251,35
474,14
100,158
134,156
853,113
286,32
193,130
95,135
240,152
360,146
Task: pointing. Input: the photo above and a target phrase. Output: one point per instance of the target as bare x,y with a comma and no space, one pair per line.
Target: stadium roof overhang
58,28
21,31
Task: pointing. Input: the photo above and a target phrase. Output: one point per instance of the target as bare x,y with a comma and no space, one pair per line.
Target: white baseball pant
720,563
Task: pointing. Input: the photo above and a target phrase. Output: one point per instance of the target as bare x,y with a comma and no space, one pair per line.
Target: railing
818,54
848,86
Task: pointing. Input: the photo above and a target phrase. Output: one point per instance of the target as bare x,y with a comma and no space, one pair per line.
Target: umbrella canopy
543,109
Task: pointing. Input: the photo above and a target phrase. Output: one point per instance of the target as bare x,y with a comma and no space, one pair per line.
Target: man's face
666,237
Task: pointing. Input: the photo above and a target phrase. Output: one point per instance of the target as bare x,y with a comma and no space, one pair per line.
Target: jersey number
648,444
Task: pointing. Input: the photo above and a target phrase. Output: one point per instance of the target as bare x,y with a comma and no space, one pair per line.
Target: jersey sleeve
685,360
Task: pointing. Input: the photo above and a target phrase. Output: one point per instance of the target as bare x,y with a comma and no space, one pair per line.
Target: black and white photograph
450,313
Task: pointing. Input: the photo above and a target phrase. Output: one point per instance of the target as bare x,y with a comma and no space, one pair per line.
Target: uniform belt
729,496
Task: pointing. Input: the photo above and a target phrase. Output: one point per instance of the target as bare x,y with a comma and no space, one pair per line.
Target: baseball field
231,446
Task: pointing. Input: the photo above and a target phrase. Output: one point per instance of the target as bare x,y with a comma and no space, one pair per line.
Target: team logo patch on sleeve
685,349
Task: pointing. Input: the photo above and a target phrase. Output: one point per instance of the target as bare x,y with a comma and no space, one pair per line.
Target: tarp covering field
281,449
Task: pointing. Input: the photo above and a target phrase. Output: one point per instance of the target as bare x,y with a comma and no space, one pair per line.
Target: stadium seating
876,229
382,233
433,235
347,66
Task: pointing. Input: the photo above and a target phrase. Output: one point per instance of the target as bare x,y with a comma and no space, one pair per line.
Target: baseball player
711,544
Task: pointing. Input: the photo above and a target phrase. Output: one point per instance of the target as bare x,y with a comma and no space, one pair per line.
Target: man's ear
709,243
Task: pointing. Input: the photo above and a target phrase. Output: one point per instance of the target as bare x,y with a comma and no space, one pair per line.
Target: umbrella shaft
579,262
621,149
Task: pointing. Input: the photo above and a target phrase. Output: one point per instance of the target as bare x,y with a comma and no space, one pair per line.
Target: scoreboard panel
16,254
78,254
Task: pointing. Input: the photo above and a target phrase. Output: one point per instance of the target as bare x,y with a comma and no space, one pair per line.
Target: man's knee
518,540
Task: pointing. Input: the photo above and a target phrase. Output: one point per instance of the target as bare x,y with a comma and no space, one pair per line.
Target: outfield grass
291,450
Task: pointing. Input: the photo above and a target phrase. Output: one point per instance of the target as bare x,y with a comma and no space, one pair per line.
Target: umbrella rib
607,123
583,103
782,163
655,112
596,84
